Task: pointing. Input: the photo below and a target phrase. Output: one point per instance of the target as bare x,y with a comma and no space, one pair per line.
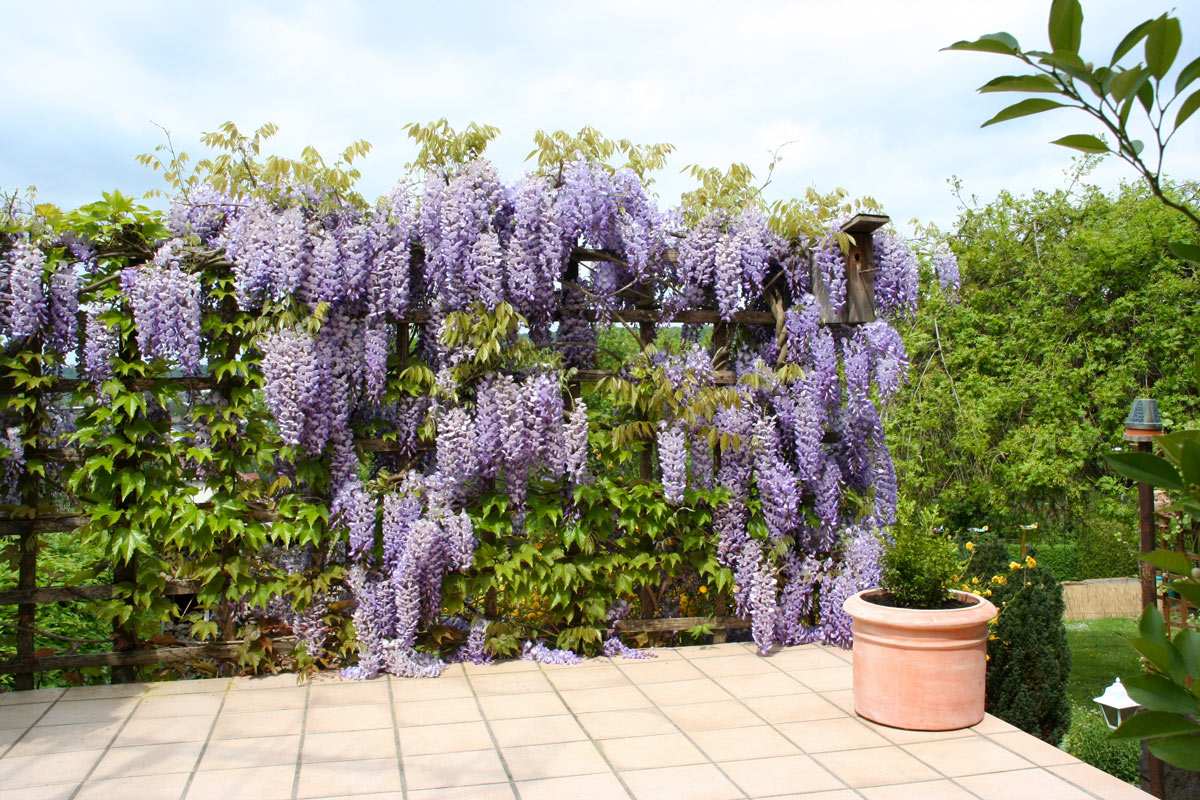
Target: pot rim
981,611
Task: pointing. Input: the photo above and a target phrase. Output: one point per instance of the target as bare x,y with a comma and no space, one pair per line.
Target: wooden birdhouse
860,277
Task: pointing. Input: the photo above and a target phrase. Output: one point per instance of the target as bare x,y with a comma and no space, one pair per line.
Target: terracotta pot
918,669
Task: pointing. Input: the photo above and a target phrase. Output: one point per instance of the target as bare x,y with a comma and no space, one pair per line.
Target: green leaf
1159,693
1182,751
1130,41
1145,468
1187,108
1149,724
1084,142
1034,105
1003,43
1021,83
1189,462
1187,75
1162,45
1167,561
1187,642
1186,252
1066,20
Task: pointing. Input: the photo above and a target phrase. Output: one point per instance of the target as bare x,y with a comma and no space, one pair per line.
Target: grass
1100,652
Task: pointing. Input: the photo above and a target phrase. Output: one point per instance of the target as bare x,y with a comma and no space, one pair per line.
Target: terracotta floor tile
245,702
262,751
875,766
163,706
31,696
60,791
281,681
709,716
22,716
145,787
154,731
675,693
956,757
116,709
648,752
929,790
105,691
198,686
379,743
793,708
657,672
553,760
842,698
20,772
602,786
826,735
9,737
453,769
350,693
1034,749
566,680
767,776
991,725
263,723
41,739
1029,782
433,712
513,706
324,778
501,667
536,730
825,680
695,782
1085,776
514,683
452,738
405,690
764,685
738,744
349,718
736,665
629,722
810,657
611,698
901,736
711,651
493,791
259,783
151,759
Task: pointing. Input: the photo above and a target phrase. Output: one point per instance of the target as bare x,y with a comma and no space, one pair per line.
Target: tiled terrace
700,722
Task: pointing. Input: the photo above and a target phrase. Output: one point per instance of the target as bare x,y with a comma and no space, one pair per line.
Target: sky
858,93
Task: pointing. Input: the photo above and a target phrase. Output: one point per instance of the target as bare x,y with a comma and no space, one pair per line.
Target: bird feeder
1116,704
860,274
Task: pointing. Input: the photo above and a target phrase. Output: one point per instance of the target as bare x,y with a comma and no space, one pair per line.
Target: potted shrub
920,647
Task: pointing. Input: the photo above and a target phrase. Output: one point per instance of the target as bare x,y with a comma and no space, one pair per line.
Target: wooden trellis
27,595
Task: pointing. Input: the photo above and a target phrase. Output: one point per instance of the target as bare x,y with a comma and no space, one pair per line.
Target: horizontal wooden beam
680,624
56,523
130,658
59,594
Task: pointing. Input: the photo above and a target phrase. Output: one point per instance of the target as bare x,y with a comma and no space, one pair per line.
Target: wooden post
26,612
1146,531
125,633
860,274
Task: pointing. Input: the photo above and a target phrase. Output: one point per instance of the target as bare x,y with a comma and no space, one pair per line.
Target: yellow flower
1014,565
999,580
970,545
1030,562
975,580
703,590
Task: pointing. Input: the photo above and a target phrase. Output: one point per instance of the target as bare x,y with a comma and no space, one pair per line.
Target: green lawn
1100,652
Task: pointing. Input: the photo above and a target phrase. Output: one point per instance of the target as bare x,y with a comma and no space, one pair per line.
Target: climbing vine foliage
472,418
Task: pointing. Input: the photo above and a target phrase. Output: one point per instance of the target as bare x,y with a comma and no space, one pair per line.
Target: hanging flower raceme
945,265
28,310
896,276
672,460
830,264
166,307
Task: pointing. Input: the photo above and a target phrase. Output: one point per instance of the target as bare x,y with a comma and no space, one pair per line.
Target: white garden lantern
1116,704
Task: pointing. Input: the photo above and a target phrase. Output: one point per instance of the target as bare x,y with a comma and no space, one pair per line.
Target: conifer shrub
1029,662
